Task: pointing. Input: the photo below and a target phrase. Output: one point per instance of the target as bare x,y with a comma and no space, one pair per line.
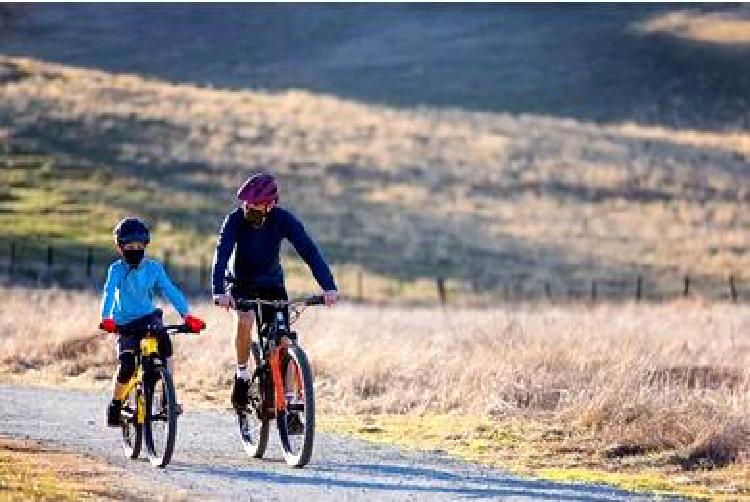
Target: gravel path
210,464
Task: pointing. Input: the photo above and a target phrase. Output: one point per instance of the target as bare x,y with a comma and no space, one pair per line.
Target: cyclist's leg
128,343
243,323
243,337
126,346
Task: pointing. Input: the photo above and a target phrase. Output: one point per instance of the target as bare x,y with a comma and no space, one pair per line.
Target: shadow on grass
579,61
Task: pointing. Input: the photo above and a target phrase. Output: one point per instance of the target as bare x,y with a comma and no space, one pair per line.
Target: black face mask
133,257
256,217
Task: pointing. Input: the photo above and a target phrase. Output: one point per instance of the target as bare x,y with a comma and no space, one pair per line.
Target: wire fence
86,267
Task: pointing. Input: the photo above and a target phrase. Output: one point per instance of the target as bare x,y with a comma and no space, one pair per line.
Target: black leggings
129,343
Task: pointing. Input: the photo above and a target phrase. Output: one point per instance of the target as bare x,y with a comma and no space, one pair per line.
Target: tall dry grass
660,377
485,198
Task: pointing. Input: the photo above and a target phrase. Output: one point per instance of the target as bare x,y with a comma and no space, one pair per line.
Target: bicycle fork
278,380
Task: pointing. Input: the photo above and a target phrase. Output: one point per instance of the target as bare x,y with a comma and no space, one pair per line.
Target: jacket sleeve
173,294
108,292
306,248
224,248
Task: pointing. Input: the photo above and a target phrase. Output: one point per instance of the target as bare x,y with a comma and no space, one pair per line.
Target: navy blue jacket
256,251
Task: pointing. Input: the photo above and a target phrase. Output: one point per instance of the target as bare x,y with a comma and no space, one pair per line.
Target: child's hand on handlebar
194,324
224,300
108,325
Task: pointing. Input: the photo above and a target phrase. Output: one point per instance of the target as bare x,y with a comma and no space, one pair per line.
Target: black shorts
240,291
131,334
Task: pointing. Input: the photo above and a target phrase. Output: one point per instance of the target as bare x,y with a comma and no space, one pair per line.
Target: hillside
494,202
676,65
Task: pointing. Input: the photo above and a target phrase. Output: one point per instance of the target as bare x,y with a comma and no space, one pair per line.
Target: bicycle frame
149,349
271,353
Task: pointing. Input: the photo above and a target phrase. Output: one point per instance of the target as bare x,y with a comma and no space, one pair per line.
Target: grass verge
537,449
31,471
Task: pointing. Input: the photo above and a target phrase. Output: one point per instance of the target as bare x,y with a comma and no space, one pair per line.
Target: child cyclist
128,306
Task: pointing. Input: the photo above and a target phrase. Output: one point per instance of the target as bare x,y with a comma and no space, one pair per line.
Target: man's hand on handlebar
331,297
224,300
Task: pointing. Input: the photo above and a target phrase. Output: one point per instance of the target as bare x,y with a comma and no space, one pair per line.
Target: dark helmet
259,188
131,230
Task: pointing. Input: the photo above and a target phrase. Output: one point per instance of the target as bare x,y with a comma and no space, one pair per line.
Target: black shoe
294,425
239,393
178,409
113,414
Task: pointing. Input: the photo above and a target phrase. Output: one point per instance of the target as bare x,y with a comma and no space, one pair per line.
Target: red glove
194,324
108,325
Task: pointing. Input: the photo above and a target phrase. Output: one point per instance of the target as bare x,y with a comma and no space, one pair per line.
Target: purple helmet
259,189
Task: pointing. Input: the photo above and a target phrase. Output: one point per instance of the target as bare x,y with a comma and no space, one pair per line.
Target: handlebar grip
316,300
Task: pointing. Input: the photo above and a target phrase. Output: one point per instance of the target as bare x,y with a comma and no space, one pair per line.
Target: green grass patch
531,449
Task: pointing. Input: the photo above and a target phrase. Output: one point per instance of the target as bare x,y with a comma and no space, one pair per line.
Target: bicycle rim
132,431
161,418
296,425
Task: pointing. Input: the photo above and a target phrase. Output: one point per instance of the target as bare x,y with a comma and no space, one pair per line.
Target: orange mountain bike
281,386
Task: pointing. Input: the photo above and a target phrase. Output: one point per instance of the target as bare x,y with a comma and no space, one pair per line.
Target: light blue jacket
129,292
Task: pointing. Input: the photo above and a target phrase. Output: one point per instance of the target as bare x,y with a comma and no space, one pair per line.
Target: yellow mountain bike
149,410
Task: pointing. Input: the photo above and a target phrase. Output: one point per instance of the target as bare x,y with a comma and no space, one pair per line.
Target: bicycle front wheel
296,425
160,427
253,422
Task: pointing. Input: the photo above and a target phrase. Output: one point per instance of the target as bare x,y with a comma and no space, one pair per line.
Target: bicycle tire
254,444
132,431
168,413
300,458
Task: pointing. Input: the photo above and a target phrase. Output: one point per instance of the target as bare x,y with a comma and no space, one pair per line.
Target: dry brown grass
650,378
406,193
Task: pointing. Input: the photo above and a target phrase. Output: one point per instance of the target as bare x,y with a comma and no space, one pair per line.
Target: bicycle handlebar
307,301
169,329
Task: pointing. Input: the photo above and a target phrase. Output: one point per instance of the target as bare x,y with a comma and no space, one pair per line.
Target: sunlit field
649,379
494,203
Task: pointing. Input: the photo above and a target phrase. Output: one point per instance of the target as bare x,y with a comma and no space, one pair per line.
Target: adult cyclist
252,235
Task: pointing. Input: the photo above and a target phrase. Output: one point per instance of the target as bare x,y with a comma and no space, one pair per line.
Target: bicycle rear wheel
253,423
296,425
132,431
160,427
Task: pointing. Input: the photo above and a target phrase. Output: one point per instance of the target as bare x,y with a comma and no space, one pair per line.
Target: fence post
89,262
639,288
732,289
360,286
50,259
441,289
686,290
166,260
593,290
548,290
202,274
12,261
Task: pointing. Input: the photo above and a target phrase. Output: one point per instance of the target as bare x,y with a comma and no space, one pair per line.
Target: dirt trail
209,463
